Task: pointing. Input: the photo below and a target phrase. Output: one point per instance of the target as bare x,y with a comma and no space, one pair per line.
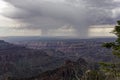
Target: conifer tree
112,69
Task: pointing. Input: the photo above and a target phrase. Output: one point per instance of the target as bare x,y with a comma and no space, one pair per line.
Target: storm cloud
52,16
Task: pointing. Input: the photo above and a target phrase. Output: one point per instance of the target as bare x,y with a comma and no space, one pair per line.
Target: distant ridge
29,38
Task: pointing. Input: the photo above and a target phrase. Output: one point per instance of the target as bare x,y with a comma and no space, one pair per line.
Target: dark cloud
46,15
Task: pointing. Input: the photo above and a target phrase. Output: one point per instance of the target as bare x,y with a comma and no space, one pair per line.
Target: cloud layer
51,15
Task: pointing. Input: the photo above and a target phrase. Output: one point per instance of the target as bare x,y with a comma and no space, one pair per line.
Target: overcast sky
73,18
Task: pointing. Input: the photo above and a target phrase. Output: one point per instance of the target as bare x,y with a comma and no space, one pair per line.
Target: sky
69,18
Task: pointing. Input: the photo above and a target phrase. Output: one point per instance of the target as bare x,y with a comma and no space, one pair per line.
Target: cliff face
89,49
69,71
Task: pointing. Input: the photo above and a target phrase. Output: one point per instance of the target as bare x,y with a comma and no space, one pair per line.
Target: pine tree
112,69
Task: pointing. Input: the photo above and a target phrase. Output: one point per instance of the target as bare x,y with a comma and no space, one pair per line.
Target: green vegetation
112,69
